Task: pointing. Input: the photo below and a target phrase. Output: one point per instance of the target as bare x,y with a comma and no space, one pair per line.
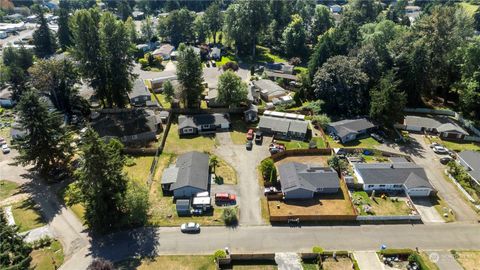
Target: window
371,186
381,185
188,130
205,126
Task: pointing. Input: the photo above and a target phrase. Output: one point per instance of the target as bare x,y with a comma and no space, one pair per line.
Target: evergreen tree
178,26
190,76
101,182
131,30
43,39
387,102
47,143
147,29
231,89
168,91
14,252
17,62
294,37
64,35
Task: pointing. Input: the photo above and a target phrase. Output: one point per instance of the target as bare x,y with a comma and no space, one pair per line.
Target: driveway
444,260
368,260
427,211
425,157
245,164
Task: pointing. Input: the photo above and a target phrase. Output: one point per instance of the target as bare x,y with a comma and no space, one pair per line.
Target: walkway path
38,233
288,261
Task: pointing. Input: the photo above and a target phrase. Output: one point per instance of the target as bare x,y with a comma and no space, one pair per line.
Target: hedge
395,251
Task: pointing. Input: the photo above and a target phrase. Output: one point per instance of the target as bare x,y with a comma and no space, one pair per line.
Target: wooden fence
301,152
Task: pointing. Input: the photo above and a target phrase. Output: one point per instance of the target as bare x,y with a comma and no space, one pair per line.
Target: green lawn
177,145
380,207
140,169
469,8
239,130
368,142
77,209
442,207
225,173
225,59
457,146
47,258
293,144
264,54
163,102
7,189
468,259
27,215
169,263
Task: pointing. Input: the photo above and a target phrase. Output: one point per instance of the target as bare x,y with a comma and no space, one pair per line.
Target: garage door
418,192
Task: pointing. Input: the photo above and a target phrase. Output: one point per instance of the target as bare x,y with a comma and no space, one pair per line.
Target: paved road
245,163
424,156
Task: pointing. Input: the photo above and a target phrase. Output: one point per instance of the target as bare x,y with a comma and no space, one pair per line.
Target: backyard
138,168
378,206
468,259
27,215
177,145
161,98
7,189
47,258
169,263
341,263
239,130
293,144
224,173
368,142
456,146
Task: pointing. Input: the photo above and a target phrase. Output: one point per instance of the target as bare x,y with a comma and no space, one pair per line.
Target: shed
183,207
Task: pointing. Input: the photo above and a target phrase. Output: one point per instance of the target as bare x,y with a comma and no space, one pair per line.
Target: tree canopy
190,76
231,89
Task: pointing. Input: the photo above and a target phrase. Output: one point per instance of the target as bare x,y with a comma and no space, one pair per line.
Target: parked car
445,160
250,134
440,150
5,149
276,148
190,227
2,141
377,137
249,145
258,137
270,190
434,144
225,198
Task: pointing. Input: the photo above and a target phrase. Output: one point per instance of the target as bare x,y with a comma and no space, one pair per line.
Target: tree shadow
413,148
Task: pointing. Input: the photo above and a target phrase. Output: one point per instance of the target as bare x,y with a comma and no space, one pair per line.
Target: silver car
190,227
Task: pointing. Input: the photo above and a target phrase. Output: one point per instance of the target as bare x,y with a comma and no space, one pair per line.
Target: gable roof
348,126
202,119
441,124
138,89
472,159
269,88
193,171
409,174
283,125
294,175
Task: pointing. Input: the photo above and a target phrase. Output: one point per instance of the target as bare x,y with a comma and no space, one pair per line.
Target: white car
5,149
440,150
190,227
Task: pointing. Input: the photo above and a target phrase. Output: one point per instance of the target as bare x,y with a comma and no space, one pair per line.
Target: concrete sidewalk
368,260
444,260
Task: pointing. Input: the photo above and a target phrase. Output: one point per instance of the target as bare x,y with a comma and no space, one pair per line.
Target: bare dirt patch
318,160
341,263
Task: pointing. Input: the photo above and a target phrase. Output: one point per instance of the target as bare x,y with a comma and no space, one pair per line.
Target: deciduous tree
294,37
231,89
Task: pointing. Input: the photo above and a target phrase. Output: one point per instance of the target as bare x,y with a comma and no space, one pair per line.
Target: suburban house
443,126
471,161
203,123
303,181
393,177
351,129
284,128
251,114
272,75
138,15
140,94
335,8
211,98
253,97
138,125
165,51
269,90
156,84
189,176
6,100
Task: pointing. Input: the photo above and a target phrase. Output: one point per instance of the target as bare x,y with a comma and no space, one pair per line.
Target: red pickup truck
224,197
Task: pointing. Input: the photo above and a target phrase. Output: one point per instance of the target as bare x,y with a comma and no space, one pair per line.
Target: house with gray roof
190,175
283,128
269,90
471,161
443,126
393,177
351,129
203,123
304,181
139,94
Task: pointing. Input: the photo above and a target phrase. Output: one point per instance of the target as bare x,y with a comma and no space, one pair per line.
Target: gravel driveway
245,164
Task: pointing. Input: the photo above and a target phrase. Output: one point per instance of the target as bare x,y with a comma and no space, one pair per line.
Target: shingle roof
126,123
472,158
270,88
193,171
169,175
441,124
138,89
283,125
348,126
409,174
294,175
202,119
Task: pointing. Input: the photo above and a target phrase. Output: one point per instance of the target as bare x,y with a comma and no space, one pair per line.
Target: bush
42,242
220,254
268,170
317,249
130,161
230,216
143,63
136,205
393,252
321,120
232,65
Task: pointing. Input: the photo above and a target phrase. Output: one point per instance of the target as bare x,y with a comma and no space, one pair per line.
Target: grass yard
264,54
139,169
77,209
380,207
341,263
169,263
426,259
322,205
27,215
256,266
7,189
442,207
468,259
225,174
318,160
469,8
177,145
239,130
47,258
162,100
368,142
301,144
457,146
226,58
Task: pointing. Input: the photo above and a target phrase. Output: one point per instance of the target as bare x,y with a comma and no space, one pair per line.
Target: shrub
130,161
269,172
317,249
230,216
143,63
220,254
42,242
232,65
321,120
136,205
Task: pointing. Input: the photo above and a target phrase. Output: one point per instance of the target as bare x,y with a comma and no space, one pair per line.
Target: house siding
298,193
328,191
186,192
